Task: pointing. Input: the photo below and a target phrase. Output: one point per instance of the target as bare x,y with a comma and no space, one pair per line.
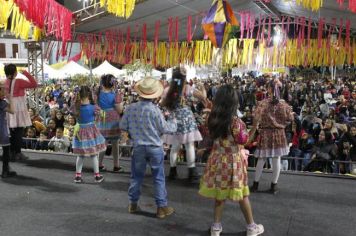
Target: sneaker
215,232
163,212
8,174
133,208
274,189
255,230
118,170
99,178
102,168
78,180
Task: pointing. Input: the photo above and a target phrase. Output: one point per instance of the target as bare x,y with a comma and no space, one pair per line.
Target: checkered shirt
145,123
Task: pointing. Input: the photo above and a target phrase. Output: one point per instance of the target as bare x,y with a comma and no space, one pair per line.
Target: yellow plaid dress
225,175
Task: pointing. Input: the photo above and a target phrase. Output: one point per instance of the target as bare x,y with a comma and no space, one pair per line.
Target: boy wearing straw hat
145,124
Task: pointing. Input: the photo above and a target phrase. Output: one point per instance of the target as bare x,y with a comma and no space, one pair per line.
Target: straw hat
149,88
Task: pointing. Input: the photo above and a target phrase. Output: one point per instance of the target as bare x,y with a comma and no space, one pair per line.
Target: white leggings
80,162
190,154
276,165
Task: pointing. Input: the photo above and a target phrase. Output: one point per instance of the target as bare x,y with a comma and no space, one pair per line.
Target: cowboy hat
149,88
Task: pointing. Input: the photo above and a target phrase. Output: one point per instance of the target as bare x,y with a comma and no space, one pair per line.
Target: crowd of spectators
322,137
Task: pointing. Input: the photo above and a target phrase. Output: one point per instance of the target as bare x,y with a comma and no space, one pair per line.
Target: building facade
13,51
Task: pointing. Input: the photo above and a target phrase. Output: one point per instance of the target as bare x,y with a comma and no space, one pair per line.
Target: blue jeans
154,157
307,158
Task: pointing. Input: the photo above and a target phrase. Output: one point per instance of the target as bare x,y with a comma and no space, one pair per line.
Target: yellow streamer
120,8
236,53
313,5
20,26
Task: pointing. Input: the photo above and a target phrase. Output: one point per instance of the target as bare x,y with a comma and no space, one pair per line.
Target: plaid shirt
145,123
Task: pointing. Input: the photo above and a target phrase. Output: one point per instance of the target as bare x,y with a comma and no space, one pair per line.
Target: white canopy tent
137,75
50,73
107,68
156,74
72,69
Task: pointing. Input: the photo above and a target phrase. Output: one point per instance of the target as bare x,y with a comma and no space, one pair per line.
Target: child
4,131
87,140
225,175
109,119
187,131
59,143
145,124
69,127
29,142
59,119
51,129
42,143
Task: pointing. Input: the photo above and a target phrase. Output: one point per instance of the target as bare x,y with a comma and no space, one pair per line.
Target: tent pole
91,71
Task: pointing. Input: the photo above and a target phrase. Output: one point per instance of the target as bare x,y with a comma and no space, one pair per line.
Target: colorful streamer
120,8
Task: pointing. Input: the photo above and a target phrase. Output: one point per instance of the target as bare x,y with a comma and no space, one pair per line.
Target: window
15,50
2,50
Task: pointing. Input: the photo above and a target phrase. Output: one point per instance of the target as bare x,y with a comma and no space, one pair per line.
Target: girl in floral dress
87,140
187,131
225,176
108,122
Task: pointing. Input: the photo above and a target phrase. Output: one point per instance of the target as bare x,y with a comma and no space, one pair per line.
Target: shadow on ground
41,184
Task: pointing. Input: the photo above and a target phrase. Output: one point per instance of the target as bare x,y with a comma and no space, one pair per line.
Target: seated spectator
57,91
329,125
34,116
343,116
306,142
324,109
347,149
52,115
51,129
59,119
323,153
60,100
59,143
42,142
29,142
36,121
69,127
50,101
65,109
39,127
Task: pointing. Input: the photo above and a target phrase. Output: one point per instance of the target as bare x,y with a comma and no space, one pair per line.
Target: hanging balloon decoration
218,22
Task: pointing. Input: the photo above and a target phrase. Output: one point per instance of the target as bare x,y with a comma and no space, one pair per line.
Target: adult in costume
20,118
271,117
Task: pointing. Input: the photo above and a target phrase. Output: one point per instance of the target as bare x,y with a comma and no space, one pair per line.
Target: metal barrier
251,165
